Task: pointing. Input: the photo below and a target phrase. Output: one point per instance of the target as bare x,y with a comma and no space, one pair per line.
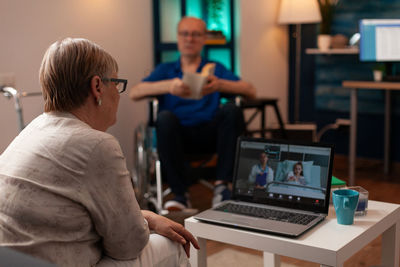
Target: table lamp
298,12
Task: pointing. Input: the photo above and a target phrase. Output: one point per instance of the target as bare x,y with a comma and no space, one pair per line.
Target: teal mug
345,202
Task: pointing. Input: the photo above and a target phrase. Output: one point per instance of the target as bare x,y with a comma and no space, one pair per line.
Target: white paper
195,81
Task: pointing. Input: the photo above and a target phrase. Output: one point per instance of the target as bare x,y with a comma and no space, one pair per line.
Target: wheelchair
146,173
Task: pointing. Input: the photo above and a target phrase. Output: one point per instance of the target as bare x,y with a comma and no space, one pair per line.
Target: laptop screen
283,173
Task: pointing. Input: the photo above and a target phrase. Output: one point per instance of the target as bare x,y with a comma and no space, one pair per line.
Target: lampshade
299,12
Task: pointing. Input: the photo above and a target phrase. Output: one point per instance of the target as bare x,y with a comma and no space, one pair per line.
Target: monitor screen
283,173
380,40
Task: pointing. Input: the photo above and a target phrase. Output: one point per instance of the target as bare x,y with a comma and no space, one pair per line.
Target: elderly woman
65,192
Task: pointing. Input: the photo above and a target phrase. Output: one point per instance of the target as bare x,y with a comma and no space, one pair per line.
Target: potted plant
378,72
327,9
215,8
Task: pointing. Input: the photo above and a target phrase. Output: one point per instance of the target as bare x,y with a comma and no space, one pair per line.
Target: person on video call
194,126
261,174
296,176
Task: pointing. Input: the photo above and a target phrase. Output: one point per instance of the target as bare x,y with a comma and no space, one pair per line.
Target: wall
264,49
124,29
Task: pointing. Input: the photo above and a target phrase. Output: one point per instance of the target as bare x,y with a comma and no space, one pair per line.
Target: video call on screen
293,173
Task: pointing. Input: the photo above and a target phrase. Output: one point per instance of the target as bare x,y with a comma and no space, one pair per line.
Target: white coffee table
329,243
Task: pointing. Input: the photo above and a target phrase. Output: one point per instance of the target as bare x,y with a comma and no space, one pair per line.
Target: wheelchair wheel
140,171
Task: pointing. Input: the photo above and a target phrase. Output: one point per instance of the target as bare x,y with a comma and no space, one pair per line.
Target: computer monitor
379,42
380,39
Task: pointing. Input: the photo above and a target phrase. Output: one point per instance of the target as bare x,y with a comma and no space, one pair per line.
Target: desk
354,86
329,243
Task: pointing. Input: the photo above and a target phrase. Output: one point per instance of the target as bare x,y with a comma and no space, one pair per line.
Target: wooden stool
260,105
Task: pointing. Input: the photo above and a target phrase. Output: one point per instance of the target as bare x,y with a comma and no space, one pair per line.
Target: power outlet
7,79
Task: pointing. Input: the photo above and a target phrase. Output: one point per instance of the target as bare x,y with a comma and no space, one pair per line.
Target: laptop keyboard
266,213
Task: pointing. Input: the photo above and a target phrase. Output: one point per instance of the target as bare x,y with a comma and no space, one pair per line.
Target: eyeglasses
194,35
120,83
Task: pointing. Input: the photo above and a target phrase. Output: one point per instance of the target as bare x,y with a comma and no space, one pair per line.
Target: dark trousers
174,141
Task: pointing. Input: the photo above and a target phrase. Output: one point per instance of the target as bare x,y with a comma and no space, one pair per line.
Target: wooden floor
369,174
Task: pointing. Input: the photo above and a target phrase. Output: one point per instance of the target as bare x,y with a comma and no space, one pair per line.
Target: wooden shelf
216,42
333,51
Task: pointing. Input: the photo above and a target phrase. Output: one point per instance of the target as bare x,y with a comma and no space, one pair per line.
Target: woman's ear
96,86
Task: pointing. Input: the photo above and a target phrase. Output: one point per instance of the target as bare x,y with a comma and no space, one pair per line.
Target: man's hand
212,85
178,88
170,229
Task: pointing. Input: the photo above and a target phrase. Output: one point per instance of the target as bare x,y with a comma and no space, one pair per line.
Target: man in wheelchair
202,125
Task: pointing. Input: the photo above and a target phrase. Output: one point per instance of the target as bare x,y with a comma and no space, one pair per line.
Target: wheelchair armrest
153,110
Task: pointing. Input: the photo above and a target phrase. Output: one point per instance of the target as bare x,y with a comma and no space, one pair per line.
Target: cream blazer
66,195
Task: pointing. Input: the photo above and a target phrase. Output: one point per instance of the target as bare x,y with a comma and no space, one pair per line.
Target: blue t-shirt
190,112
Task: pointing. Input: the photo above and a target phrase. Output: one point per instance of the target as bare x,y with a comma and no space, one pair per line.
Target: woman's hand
178,88
212,85
170,229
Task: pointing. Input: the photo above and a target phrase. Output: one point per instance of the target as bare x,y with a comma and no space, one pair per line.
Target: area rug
235,258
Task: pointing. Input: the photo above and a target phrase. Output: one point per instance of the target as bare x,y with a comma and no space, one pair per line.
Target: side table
329,243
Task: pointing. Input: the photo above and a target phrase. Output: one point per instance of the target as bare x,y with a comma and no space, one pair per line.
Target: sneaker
221,193
178,203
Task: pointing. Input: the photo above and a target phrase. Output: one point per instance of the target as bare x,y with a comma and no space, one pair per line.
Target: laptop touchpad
238,219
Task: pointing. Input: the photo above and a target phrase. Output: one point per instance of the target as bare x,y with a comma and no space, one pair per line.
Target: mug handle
346,203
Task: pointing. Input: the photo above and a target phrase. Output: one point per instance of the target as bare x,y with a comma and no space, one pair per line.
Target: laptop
279,187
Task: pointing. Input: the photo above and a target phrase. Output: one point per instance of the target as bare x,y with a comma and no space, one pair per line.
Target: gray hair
67,69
